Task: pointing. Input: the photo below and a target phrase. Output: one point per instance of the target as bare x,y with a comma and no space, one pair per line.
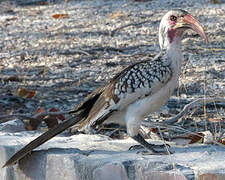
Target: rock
97,157
12,126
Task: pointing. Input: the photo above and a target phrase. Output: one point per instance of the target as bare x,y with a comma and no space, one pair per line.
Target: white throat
174,55
172,47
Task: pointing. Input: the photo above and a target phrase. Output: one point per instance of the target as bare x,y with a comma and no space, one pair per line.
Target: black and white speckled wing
133,83
143,79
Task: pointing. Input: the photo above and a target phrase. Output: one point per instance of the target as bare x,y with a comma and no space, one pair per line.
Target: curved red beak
190,22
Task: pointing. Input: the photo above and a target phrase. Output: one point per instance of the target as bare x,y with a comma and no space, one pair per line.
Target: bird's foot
162,150
150,147
154,152
137,147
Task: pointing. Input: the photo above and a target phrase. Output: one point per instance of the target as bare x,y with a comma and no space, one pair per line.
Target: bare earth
63,60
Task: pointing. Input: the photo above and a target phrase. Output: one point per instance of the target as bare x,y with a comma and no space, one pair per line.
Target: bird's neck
170,39
170,44
174,55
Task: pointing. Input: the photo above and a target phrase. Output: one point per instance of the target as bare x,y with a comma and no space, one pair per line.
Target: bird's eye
173,18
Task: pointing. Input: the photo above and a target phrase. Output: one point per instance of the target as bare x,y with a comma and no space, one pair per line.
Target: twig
191,105
25,116
33,117
91,51
18,78
50,114
75,52
150,124
112,33
167,149
220,135
204,105
174,128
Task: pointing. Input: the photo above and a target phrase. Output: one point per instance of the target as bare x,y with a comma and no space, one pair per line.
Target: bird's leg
148,146
133,123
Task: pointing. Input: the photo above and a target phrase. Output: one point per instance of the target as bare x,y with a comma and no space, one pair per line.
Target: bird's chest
153,102
160,97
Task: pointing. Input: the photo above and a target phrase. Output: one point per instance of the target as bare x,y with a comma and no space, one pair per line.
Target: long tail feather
42,139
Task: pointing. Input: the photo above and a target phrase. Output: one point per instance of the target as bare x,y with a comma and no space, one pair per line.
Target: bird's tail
43,138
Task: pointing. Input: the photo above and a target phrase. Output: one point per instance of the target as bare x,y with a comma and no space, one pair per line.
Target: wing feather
134,82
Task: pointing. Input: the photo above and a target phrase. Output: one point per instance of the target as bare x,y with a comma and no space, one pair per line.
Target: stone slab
97,157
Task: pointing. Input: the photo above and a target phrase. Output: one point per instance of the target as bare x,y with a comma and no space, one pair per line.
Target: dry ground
64,59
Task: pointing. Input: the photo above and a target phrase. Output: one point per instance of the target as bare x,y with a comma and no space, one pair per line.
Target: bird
137,91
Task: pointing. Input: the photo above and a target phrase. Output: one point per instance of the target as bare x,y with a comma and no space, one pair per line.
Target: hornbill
135,92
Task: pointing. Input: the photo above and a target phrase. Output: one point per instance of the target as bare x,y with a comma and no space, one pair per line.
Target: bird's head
173,25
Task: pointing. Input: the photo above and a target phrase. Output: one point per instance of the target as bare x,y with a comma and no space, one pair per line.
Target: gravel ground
63,60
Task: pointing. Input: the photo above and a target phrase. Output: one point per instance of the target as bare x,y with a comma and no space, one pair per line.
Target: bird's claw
165,150
137,147
154,152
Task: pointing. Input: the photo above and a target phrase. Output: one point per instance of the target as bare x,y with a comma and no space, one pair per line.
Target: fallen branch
18,78
72,52
25,116
112,33
192,105
33,117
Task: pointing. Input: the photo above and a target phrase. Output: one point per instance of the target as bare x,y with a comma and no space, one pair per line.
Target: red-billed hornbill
135,92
